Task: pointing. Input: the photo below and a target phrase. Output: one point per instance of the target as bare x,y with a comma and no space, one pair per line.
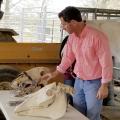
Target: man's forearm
55,73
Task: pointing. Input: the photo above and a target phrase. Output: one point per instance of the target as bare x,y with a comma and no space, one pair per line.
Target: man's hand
103,91
46,77
49,76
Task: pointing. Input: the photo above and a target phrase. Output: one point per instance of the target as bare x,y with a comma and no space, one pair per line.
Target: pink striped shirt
92,53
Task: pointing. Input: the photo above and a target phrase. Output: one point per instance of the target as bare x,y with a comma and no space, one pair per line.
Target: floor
112,112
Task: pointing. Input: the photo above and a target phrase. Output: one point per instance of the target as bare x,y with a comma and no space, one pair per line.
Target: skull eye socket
24,85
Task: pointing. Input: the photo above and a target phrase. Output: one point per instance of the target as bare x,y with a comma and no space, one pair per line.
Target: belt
90,79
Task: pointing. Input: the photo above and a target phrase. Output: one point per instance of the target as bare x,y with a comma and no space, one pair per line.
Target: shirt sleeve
68,56
105,58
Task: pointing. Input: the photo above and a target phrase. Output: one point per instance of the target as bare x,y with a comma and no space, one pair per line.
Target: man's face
67,26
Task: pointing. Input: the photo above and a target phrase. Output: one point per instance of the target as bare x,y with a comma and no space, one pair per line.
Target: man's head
69,17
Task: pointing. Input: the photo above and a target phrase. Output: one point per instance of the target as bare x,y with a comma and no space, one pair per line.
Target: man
93,68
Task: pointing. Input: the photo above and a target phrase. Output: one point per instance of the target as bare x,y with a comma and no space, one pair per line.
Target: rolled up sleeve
68,57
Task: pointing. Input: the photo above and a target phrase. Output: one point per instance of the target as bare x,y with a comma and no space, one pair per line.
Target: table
8,111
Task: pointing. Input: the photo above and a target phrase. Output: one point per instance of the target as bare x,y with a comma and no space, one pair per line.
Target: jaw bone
41,104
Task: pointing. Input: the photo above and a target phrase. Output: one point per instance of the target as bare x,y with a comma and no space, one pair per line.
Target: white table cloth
8,111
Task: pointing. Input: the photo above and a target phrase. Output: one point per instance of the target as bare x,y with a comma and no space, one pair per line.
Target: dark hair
70,13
